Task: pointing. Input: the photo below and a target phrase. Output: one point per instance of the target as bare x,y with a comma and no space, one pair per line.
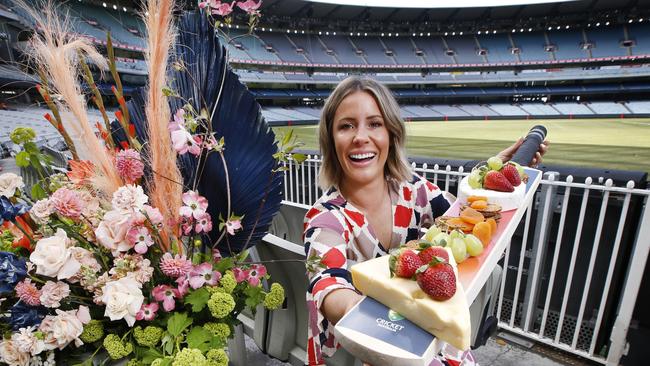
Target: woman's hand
338,302
507,154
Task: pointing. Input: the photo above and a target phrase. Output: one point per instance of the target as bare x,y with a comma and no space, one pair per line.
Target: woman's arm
338,302
507,154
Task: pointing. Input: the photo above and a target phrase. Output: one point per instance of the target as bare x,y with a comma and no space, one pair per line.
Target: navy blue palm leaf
201,77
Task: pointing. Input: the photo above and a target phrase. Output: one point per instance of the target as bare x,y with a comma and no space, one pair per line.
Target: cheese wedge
447,320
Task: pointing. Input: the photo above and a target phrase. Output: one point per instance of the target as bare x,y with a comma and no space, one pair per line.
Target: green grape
441,240
495,163
474,245
474,179
459,249
456,234
431,233
520,169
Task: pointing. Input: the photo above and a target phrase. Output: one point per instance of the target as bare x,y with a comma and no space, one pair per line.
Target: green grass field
603,143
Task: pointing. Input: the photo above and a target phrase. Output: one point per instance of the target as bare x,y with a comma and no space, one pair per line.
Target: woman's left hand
507,154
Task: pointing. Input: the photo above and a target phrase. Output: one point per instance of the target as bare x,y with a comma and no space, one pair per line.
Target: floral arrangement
112,259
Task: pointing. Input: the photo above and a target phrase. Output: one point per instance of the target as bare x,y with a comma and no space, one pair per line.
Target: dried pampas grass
164,188
55,48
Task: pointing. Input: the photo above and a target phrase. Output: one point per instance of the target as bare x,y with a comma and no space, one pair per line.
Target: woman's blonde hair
397,167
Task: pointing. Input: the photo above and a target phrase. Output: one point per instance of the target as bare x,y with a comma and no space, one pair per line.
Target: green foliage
224,264
93,331
198,299
6,242
221,304
254,296
116,348
149,336
177,323
286,145
275,298
22,135
200,338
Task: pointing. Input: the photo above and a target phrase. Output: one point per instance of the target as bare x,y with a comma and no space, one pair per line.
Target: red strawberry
404,263
437,280
496,181
428,251
511,173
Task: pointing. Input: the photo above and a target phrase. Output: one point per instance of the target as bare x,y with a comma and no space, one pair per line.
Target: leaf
198,299
254,296
166,362
177,323
148,355
200,338
224,264
299,158
22,159
31,148
38,193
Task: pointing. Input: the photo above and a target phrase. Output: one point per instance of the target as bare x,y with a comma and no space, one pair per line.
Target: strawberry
437,279
428,251
511,173
496,181
404,263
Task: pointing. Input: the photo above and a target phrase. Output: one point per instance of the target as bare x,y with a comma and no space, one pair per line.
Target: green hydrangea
189,357
21,135
274,299
149,336
217,357
93,331
116,348
221,330
134,362
228,282
158,361
221,304
57,181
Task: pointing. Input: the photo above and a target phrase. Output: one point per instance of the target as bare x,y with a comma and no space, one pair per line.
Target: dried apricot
472,216
483,231
471,199
479,205
493,225
458,223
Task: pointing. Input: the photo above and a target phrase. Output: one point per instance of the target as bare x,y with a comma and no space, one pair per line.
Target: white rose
111,232
123,299
129,198
9,183
41,211
10,354
62,329
52,257
26,341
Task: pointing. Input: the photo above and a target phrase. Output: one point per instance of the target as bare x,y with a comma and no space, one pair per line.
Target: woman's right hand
338,302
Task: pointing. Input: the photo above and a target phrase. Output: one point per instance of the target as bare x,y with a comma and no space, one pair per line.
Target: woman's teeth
358,157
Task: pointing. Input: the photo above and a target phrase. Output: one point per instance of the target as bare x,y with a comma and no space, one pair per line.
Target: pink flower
187,223
183,142
183,285
203,223
210,142
28,293
175,266
141,239
249,6
67,203
147,312
129,165
203,274
255,274
203,4
232,226
240,274
166,294
222,9
53,292
216,255
154,215
195,205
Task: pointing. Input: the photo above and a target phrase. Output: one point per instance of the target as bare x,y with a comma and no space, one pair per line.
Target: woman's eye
376,124
345,126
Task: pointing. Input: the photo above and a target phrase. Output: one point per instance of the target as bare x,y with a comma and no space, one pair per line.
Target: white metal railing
563,306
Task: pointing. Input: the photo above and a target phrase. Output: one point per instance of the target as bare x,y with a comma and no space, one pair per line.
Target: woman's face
361,139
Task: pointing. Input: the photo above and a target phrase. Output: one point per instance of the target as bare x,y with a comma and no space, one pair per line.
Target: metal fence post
632,285
545,210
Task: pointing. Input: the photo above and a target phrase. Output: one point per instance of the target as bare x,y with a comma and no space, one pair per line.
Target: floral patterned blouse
338,234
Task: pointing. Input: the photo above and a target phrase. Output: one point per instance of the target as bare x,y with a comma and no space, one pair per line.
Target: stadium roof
428,4
399,12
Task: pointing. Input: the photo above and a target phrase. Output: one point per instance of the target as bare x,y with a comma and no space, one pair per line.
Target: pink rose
112,231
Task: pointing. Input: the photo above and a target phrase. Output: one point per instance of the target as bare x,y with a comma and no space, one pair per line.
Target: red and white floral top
339,235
